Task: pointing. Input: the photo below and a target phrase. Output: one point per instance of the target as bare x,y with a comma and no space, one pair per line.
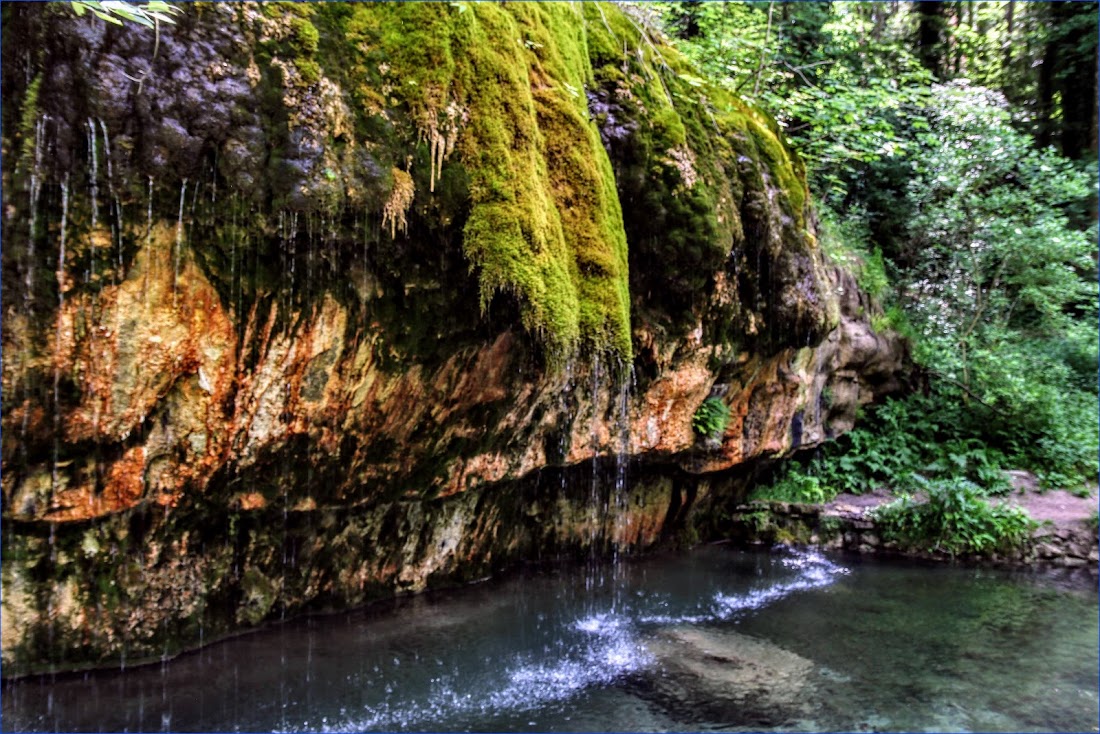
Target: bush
711,418
955,519
847,241
794,486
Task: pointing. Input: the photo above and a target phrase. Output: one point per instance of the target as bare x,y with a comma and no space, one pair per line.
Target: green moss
305,37
258,596
27,120
501,89
280,9
668,128
309,69
544,221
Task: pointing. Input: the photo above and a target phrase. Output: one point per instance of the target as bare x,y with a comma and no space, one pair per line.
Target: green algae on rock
505,87
350,294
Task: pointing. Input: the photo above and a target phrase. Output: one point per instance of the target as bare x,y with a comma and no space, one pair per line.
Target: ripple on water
610,647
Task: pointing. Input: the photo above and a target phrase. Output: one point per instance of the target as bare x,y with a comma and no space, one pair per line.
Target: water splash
597,649
814,571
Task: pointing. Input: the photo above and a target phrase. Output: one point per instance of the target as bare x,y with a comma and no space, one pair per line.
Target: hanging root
401,198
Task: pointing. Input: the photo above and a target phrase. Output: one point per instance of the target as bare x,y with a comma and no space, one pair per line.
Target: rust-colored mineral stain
248,501
123,488
126,480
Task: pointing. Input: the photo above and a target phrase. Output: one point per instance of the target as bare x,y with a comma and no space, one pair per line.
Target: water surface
710,639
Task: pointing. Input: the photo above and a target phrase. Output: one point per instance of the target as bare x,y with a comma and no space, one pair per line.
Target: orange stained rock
123,487
249,501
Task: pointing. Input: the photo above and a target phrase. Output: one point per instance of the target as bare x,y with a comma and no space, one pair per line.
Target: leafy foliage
1000,285
711,418
847,241
978,242
903,444
116,11
795,486
955,519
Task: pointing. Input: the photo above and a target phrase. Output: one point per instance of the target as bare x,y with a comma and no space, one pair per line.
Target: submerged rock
726,676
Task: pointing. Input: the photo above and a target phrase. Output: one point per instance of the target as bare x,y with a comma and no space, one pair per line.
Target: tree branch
968,391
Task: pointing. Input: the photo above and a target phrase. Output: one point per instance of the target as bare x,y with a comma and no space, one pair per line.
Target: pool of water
710,639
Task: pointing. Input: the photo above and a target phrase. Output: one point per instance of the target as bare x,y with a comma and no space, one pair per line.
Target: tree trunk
1075,75
879,14
953,42
1044,104
763,51
932,33
1006,64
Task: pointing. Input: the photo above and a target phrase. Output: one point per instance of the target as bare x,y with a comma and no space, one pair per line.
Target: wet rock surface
722,675
246,359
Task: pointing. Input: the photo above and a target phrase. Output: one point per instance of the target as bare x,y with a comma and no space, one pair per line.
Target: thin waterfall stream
474,386
836,644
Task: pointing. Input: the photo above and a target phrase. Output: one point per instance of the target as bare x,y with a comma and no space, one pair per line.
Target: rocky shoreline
1064,537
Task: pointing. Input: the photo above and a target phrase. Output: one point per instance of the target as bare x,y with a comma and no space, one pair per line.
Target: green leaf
107,17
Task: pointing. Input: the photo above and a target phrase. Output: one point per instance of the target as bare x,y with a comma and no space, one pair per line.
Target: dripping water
57,341
566,423
232,253
191,213
35,191
35,185
293,240
116,204
596,510
309,252
179,245
283,247
89,275
149,259
620,493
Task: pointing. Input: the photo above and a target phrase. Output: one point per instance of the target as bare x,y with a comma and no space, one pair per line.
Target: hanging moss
27,119
503,92
502,88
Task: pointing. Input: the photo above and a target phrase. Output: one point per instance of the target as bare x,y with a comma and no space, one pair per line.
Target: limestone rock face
305,307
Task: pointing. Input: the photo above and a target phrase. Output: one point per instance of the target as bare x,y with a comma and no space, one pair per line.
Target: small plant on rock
795,486
711,418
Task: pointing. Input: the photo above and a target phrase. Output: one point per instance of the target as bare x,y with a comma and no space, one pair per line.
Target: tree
932,36
1073,49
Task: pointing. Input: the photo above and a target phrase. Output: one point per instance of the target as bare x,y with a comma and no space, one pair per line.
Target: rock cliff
310,304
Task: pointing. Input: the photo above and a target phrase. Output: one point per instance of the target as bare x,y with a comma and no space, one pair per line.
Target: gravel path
1057,505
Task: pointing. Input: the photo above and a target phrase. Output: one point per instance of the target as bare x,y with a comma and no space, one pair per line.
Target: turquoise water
712,639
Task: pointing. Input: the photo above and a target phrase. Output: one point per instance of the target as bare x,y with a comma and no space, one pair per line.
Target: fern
711,418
